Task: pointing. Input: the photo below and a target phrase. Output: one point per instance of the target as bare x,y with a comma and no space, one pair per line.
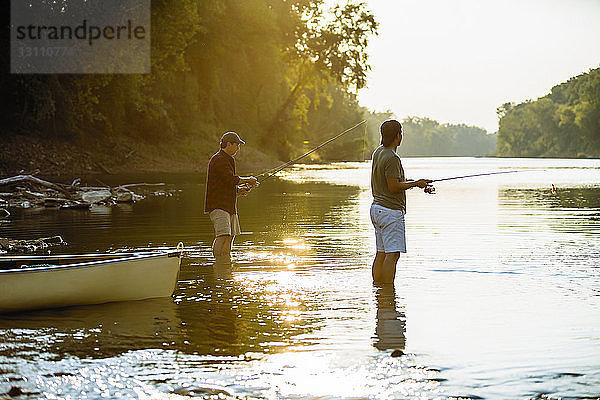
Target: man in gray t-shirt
387,165
389,185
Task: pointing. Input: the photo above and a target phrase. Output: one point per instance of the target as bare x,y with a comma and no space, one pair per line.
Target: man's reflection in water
221,270
224,314
213,324
390,325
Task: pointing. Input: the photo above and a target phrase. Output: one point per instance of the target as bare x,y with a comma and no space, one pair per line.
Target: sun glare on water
297,244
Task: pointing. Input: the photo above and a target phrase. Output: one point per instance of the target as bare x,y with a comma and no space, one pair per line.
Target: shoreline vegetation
214,71
282,74
63,158
59,157
565,123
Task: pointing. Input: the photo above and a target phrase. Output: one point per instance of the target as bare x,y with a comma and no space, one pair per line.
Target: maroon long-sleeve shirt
221,184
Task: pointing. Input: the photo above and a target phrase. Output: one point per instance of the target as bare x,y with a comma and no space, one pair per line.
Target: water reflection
501,281
222,314
565,197
98,331
213,313
574,209
390,325
276,211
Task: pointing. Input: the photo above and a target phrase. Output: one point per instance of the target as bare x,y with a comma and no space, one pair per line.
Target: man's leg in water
384,267
222,248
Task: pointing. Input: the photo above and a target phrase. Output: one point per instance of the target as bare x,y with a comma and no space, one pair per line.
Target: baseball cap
232,137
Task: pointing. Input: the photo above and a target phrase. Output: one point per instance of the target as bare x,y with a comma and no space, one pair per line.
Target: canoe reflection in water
212,313
98,331
390,326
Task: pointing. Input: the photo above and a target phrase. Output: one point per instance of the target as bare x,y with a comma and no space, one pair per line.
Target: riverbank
52,157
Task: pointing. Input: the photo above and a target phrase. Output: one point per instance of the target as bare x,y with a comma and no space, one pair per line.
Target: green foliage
338,46
564,123
426,137
421,137
278,72
335,111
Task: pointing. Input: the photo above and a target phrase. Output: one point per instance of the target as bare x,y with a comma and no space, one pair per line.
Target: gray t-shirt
387,164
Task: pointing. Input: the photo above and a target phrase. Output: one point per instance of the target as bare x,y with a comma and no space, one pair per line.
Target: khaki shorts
225,223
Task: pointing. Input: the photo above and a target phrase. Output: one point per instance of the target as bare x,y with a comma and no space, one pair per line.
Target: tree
335,49
564,123
270,69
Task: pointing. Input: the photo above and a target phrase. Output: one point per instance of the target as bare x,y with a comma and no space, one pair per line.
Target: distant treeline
564,123
278,72
426,137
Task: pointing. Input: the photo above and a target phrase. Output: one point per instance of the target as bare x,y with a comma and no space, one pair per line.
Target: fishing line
431,190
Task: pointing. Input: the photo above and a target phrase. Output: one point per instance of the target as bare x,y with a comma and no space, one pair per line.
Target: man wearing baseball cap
222,190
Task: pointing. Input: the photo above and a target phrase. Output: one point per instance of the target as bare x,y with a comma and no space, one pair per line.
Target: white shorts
389,229
225,223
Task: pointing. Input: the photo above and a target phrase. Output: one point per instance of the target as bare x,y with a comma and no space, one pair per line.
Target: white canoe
36,282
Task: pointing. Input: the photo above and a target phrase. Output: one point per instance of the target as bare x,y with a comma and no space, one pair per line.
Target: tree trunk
279,115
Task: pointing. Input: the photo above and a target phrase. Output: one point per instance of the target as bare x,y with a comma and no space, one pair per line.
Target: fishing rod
473,175
431,189
291,162
283,166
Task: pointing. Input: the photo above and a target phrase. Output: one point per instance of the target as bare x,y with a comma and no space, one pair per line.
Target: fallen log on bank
25,191
33,180
31,245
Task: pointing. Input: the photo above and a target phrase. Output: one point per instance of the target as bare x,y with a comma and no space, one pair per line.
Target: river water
498,296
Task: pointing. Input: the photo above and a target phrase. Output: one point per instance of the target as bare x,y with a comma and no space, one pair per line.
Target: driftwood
130,154
124,195
30,246
96,196
34,180
140,184
24,191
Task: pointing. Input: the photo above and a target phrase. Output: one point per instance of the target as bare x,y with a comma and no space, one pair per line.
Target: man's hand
253,181
249,181
422,183
243,190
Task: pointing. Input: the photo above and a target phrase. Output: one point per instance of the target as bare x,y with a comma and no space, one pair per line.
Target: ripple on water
496,298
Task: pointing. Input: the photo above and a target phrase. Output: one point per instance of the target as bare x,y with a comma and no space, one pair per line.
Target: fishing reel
243,189
429,189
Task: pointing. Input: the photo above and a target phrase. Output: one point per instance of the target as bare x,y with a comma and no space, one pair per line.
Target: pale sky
456,61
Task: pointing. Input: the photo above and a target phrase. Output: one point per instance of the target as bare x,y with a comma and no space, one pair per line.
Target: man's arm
396,185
